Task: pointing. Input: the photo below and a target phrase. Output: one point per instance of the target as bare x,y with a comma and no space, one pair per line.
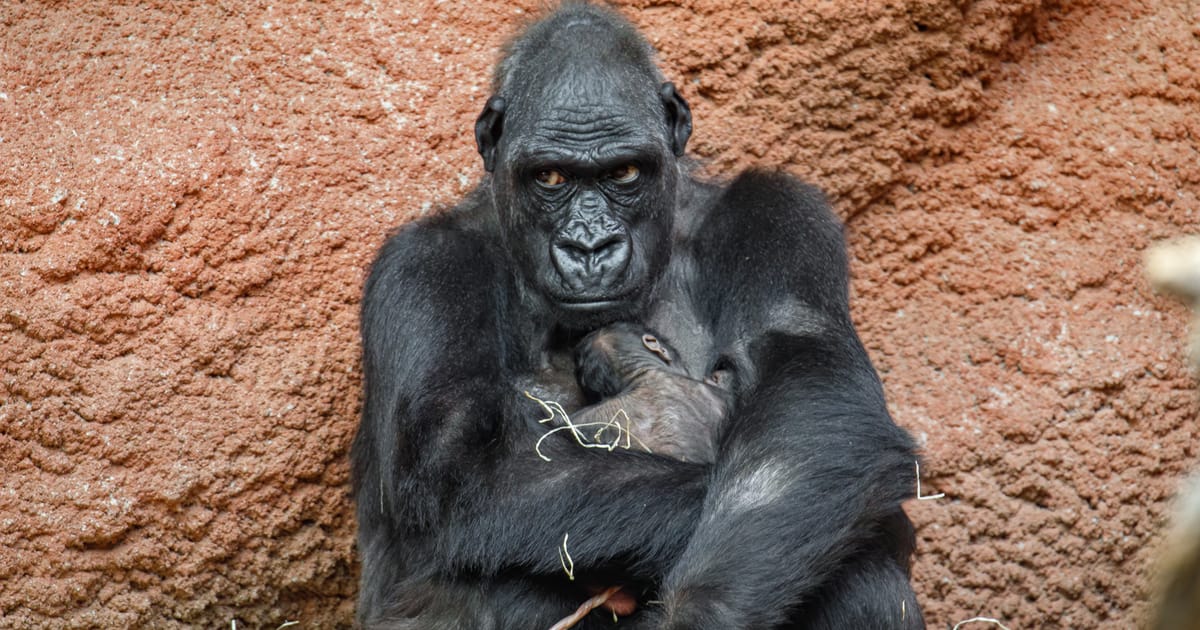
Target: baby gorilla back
632,374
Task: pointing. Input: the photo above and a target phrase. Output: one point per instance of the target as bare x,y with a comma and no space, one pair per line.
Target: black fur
798,521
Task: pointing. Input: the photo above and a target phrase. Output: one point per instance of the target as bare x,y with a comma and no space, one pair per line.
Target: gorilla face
581,140
588,214
609,359
585,193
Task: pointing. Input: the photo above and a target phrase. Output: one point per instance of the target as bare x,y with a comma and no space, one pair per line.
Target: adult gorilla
587,217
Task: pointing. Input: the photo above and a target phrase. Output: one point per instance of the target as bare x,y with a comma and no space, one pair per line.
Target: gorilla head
581,138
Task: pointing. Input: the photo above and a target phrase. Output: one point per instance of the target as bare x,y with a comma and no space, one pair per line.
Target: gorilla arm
445,451
811,461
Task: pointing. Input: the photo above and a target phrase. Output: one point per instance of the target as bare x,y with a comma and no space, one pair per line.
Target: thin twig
595,602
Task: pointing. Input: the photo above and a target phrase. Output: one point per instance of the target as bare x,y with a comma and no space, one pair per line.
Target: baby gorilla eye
550,178
624,174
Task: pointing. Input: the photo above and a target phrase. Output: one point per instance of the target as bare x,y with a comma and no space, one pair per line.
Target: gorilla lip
595,305
586,303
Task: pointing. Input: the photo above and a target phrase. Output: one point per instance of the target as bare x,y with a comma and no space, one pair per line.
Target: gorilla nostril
579,259
581,249
573,250
609,246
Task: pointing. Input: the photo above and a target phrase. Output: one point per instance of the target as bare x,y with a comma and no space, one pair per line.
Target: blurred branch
1174,268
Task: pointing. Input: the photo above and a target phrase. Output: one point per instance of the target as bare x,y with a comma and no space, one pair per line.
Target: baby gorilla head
629,368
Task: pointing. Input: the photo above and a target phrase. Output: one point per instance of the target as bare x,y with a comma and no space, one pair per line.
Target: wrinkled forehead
585,113
590,129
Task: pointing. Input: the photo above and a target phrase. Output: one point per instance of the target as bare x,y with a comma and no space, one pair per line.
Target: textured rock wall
189,196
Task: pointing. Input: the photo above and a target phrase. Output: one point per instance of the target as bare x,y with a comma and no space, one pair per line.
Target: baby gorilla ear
652,344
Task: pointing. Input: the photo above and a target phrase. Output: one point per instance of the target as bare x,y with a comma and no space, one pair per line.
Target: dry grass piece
597,440
980,619
925,498
564,557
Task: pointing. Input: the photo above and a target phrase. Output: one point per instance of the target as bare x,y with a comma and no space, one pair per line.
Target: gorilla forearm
801,483
811,464
610,504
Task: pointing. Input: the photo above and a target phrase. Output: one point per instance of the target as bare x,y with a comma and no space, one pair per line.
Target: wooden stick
592,604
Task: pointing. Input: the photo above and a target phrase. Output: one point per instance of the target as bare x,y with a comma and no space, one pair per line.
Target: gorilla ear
679,117
488,128
652,344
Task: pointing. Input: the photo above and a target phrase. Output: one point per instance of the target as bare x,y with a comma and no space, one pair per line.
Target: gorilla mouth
593,304
590,306
564,294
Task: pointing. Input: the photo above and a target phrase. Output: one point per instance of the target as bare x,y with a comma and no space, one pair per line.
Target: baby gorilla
629,368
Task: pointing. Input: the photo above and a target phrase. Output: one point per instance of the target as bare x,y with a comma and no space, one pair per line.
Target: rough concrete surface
189,196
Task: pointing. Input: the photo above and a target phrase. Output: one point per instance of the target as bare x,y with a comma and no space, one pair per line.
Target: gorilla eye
550,178
624,174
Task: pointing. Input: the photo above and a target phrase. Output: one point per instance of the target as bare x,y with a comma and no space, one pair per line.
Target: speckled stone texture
190,195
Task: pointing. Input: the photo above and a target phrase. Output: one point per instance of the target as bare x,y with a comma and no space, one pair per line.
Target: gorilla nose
585,261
